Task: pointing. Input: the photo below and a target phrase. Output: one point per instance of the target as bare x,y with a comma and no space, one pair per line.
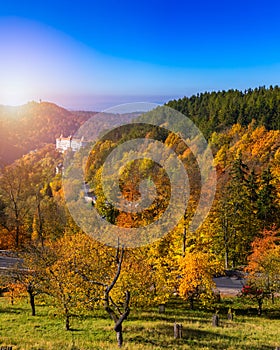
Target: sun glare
14,94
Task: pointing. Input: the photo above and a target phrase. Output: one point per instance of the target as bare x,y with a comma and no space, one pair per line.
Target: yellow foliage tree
196,271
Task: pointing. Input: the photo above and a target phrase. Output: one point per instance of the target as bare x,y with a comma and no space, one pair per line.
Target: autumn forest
77,274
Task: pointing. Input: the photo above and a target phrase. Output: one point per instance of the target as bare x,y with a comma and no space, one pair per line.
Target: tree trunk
184,236
67,322
32,303
260,307
226,259
30,291
12,296
191,300
118,319
40,229
119,336
121,316
17,236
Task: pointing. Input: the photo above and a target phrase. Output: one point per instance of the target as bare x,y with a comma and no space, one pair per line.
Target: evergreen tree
268,210
236,211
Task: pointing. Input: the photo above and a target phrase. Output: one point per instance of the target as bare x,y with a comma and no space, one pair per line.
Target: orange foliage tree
264,263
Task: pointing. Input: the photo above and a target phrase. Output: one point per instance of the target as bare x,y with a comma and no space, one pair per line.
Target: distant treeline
217,111
34,125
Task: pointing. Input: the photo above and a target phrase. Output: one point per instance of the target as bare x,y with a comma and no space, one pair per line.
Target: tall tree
236,210
268,207
16,189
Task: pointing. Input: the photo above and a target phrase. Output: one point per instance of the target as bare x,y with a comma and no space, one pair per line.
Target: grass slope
143,330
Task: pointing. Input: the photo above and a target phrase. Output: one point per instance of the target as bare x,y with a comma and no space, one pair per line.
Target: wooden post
176,335
215,320
178,330
161,308
230,316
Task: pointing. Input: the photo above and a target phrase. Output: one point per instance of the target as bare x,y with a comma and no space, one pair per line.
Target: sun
14,93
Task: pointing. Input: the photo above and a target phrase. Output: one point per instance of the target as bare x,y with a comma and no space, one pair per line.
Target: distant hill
33,125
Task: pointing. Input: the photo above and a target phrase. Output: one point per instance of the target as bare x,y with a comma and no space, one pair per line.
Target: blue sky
94,54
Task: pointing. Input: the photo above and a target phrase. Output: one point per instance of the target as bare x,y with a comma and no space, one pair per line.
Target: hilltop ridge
34,125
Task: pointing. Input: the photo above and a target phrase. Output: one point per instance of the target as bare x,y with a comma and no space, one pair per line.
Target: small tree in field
111,308
84,276
255,293
196,271
15,291
264,263
25,282
26,277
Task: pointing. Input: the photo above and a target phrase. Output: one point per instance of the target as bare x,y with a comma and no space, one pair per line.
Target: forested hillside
216,111
247,161
33,125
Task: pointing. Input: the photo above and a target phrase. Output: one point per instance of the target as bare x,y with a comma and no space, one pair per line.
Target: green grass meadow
144,329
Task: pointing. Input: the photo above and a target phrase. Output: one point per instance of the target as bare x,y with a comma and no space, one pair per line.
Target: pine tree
268,210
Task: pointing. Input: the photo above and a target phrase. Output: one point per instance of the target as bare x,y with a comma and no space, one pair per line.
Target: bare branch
120,260
126,312
85,278
115,305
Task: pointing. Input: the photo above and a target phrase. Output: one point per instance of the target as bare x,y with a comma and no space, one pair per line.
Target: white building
65,143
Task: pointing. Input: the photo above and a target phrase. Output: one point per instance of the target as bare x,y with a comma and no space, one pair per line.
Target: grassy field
143,330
